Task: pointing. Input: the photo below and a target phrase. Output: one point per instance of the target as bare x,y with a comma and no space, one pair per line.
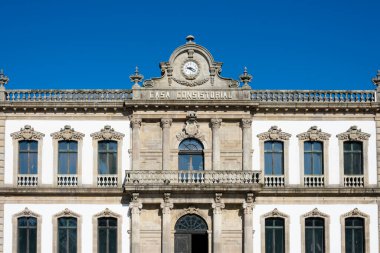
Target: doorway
191,235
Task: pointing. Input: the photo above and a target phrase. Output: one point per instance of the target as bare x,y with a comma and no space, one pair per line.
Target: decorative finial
3,78
190,39
136,78
245,78
376,79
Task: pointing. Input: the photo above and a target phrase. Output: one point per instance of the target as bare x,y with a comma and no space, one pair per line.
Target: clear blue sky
303,44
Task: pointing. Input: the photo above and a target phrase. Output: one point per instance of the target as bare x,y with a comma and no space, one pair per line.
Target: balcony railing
354,181
314,181
26,180
67,180
274,181
107,181
159,177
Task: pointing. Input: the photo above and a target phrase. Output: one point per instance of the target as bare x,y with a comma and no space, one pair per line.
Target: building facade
189,162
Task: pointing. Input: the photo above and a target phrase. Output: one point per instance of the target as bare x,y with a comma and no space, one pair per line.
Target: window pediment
27,133
274,133
275,213
67,133
107,213
107,133
314,134
315,213
353,134
66,213
27,213
355,213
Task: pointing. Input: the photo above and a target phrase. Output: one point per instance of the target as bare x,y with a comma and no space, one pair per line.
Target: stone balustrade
274,181
320,96
314,181
107,181
67,180
159,177
353,181
26,180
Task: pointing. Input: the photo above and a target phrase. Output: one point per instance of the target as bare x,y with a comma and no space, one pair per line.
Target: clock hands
190,68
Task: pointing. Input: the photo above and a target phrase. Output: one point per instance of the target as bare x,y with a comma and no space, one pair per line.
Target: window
274,235
354,235
27,235
107,157
274,158
107,235
67,157
67,235
353,158
314,235
28,157
190,155
313,158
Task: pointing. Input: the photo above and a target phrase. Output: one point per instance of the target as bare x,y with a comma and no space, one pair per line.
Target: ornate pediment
67,133
275,213
107,133
27,213
315,213
353,134
27,133
274,133
314,134
355,213
191,129
107,213
67,213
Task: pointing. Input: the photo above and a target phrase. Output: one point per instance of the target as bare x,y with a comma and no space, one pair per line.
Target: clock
190,69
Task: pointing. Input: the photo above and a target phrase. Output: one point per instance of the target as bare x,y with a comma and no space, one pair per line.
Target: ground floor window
274,235
26,235
354,235
67,235
107,235
314,235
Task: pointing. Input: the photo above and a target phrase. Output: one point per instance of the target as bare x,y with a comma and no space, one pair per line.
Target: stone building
189,162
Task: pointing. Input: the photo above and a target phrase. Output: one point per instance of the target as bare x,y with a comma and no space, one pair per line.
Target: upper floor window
314,235
28,157
107,235
190,156
67,157
354,235
67,235
27,235
313,158
274,157
107,157
353,157
274,235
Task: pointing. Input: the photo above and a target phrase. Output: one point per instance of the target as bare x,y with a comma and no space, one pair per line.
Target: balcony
173,177
27,180
314,181
107,181
356,181
67,180
274,181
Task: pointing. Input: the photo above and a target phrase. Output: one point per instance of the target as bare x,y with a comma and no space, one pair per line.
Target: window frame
275,213
67,213
315,213
272,151
351,152
106,213
355,213
190,152
25,213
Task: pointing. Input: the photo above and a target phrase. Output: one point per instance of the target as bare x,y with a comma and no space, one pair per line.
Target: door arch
190,235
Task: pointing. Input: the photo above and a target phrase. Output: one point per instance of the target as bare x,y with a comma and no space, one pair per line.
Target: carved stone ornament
190,83
107,213
353,134
27,213
275,213
190,129
67,212
67,133
166,123
216,123
355,213
135,204
274,133
167,204
27,133
246,123
191,210
135,122
314,134
107,133
249,203
218,205
315,213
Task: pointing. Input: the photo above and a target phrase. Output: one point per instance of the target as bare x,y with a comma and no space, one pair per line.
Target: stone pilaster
2,149
215,126
166,124
248,224
217,206
1,226
135,125
166,206
135,208
377,120
247,143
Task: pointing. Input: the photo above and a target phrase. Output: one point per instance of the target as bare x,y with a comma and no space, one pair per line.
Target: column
247,143
218,205
248,224
166,206
165,124
215,125
135,208
377,120
135,124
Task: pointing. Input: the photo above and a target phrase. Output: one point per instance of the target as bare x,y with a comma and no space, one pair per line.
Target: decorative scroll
191,129
314,134
27,133
67,133
353,134
107,133
274,133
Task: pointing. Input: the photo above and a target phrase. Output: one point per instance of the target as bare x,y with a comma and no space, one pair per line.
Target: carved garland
67,213
355,213
353,134
274,133
27,213
67,133
275,213
314,134
315,213
27,133
190,84
107,133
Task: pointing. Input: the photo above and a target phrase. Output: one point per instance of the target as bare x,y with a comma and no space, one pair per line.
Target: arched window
190,155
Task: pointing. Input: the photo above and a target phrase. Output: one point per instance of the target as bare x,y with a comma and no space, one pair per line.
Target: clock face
190,69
